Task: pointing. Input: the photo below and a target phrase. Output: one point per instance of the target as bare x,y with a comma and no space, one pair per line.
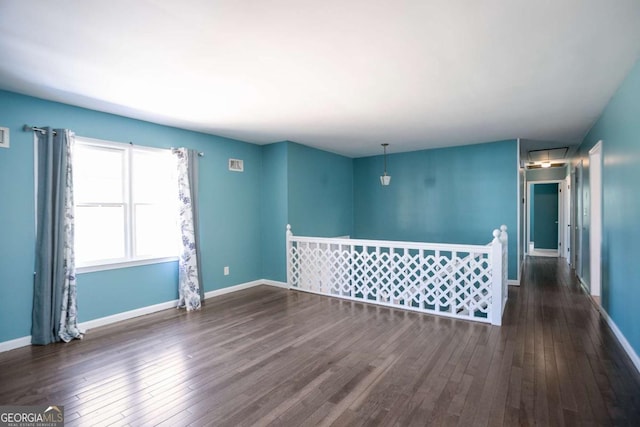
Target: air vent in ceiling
236,165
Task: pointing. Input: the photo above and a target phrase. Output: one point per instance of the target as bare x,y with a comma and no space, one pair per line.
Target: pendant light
385,179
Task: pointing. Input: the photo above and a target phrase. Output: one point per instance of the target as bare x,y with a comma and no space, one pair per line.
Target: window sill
123,264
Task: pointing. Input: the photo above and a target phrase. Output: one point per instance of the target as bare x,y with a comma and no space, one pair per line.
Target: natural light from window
125,203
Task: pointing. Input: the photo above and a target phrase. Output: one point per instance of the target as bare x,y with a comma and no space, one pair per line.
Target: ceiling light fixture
547,163
385,179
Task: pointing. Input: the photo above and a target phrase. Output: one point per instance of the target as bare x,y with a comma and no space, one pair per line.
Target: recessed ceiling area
341,76
533,153
547,158
552,154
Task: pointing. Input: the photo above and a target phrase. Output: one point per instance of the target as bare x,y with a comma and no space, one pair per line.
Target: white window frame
129,260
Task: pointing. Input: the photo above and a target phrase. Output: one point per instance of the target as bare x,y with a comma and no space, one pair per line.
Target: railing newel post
496,279
504,238
289,244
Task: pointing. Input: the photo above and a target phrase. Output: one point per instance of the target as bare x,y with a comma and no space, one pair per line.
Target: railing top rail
394,244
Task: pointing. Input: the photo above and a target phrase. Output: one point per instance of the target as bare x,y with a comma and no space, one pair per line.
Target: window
125,204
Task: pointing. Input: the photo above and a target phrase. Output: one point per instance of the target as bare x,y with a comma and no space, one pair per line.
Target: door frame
595,220
579,221
568,209
561,220
573,220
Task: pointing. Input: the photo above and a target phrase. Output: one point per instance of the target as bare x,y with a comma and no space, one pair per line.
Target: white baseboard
247,285
234,288
170,304
513,282
621,338
552,253
16,343
107,320
614,328
584,286
275,283
103,321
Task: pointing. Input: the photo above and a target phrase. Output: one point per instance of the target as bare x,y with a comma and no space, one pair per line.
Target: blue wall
320,192
308,188
619,129
229,212
544,219
448,195
274,205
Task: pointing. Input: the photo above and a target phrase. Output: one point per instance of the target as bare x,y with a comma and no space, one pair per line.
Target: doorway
544,214
595,208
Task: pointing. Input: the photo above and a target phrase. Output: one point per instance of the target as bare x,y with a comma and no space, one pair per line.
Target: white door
595,234
567,220
579,220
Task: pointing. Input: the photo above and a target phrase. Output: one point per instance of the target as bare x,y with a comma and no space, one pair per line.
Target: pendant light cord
384,147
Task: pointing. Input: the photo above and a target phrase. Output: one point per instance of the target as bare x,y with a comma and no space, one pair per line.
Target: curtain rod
27,128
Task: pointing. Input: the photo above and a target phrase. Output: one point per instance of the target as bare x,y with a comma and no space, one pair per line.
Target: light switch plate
4,137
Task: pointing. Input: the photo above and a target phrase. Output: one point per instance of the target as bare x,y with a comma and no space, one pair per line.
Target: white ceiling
340,75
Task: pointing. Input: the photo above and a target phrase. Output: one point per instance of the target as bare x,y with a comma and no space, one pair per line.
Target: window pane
153,177
98,174
156,230
99,233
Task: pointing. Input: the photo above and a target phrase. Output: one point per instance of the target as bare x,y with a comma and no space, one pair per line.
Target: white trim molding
165,305
549,253
584,286
561,218
15,343
621,338
118,317
126,315
512,282
217,292
276,284
614,328
124,264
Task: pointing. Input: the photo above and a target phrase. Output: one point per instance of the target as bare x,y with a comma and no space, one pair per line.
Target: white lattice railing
462,281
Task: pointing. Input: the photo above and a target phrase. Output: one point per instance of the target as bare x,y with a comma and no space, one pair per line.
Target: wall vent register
236,165
4,137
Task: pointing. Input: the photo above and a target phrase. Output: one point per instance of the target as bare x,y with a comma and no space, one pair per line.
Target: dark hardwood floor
268,356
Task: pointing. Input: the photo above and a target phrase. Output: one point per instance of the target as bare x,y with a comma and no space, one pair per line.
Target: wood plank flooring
268,356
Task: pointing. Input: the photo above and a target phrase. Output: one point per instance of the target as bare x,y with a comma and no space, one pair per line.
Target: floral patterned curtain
54,315
69,305
189,285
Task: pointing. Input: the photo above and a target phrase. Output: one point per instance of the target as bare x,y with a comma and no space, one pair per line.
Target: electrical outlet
226,270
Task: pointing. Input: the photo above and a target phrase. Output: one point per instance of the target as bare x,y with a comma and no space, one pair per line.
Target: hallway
572,368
